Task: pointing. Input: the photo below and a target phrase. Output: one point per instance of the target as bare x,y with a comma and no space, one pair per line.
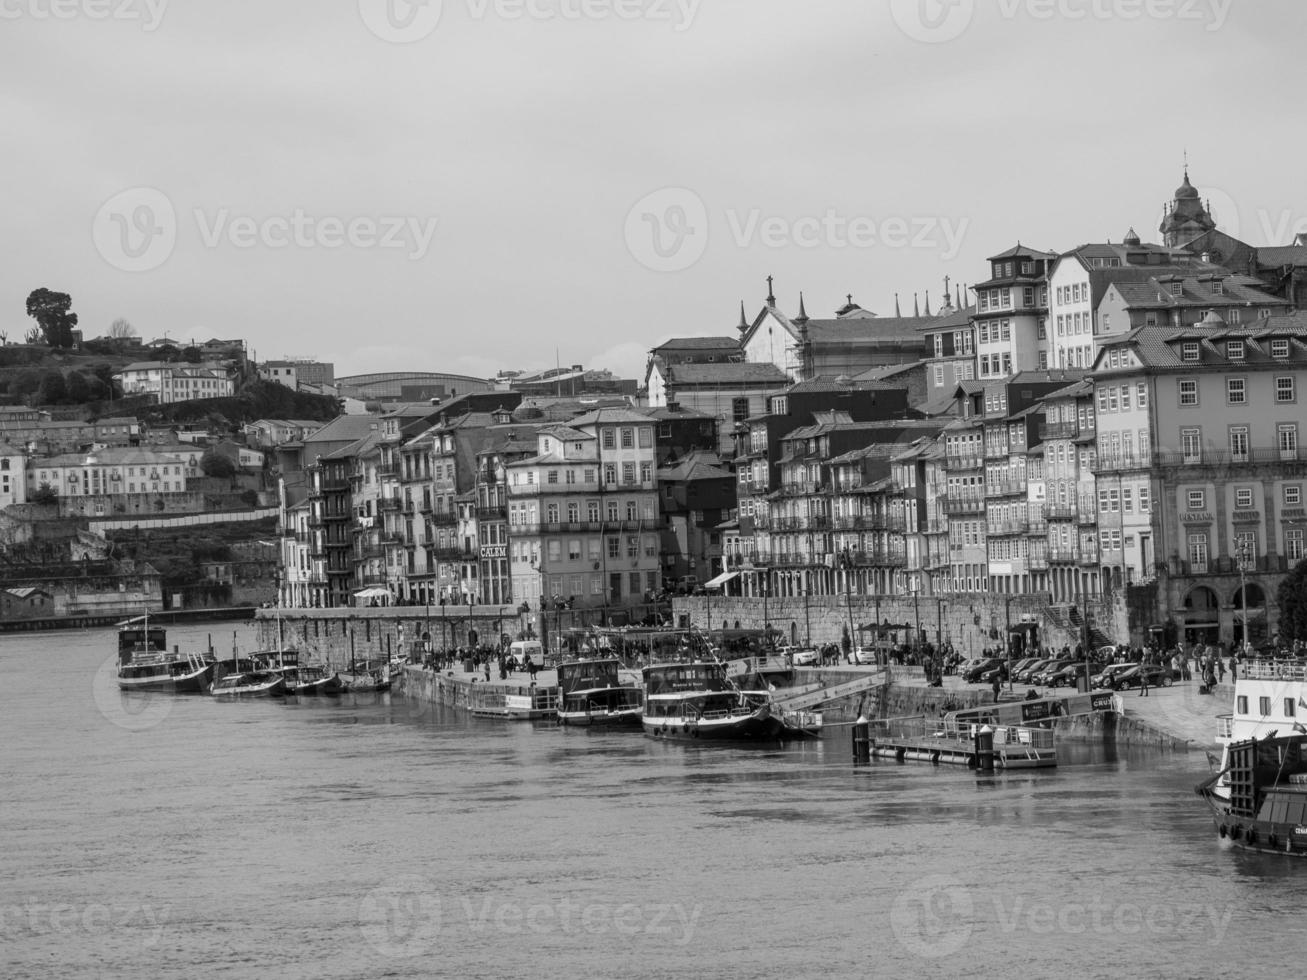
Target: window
1236,391
1241,704
610,473
739,409
574,549
1243,498
646,472
1189,351
1198,553
1188,392
1264,706
1238,443
1144,504
609,438
1292,494
628,438
1191,445
939,375
1196,499
1293,544
1234,350
628,472
1284,390
646,436
1287,437
1288,707
1141,394
553,476
1125,398
1279,348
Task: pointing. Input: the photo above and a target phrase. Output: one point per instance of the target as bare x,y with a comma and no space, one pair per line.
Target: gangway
823,695
1038,709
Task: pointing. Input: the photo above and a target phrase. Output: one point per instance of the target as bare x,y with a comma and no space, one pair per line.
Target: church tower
1185,218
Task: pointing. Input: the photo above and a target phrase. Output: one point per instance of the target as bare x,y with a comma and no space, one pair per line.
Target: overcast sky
482,184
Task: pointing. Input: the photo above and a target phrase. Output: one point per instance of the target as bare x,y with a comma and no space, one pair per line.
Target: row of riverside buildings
1117,422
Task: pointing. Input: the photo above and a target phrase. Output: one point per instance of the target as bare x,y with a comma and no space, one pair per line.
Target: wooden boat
697,701
592,694
248,684
364,676
145,663
312,680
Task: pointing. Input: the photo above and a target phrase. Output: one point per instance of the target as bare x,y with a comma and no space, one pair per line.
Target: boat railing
1224,726
923,727
1273,670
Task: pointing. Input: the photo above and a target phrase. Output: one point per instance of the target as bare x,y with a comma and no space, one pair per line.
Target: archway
1202,616
1250,597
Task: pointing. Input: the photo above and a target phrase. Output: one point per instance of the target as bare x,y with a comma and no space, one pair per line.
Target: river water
374,837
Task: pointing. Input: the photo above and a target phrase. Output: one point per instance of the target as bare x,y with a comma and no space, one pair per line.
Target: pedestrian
1234,669
1143,680
1220,670
997,685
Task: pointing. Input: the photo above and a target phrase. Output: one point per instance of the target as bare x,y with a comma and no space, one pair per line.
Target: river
374,837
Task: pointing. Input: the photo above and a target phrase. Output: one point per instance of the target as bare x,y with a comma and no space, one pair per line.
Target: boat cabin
135,639
588,675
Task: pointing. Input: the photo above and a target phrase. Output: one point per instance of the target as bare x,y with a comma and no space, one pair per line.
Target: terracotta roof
699,343
870,330
1018,251
826,383
1282,255
727,372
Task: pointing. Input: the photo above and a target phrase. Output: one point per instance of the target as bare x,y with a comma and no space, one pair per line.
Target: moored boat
591,693
312,680
697,701
1258,796
364,676
146,664
248,684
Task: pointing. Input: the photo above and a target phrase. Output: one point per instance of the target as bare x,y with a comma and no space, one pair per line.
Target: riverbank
163,618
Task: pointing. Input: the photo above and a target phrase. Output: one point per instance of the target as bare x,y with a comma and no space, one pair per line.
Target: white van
519,649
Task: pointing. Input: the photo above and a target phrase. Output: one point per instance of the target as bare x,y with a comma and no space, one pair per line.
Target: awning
376,592
720,580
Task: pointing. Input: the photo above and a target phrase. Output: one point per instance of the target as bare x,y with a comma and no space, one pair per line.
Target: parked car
1027,674
1045,673
804,658
1022,664
1069,674
973,675
1104,678
1157,677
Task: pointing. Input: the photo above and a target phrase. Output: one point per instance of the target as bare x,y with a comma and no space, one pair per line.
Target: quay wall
337,635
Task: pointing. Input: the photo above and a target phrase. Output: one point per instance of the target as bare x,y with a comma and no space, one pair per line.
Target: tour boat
1258,796
312,680
145,664
698,701
591,693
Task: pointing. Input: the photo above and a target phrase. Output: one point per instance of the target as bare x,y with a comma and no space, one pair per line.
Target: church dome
1131,238
1186,191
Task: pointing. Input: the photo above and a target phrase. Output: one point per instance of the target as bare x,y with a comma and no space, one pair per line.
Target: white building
13,482
114,471
173,382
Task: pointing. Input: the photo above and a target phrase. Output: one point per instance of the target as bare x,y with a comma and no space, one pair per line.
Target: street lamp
1244,553
469,620
444,643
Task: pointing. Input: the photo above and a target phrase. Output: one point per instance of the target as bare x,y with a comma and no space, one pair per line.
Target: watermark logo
132,711
136,229
33,918
933,21
937,916
401,919
667,231
933,917
401,21
404,919
937,21
149,13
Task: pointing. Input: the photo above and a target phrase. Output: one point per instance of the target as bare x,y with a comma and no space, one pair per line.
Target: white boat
591,694
249,684
145,663
697,701
1258,796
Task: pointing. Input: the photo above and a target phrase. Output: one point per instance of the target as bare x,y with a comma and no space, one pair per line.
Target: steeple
771,293
928,302
916,310
897,312
802,318
744,321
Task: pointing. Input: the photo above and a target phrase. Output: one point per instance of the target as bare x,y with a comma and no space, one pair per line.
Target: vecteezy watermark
406,918
668,230
936,917
406,21
34,918
937,21
148,12
132,711
137,230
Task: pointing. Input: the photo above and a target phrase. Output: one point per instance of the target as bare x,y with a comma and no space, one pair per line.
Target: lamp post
444,643
916,609
469,620
807,622
1007,637
766,622
1243,556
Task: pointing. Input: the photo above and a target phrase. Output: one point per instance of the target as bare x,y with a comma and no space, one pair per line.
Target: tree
53,389
215,464
45,494
50,310
25,383
120,329
1292,599
79,388
192,355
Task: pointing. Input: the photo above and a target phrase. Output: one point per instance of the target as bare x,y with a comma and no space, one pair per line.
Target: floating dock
976,746
509,699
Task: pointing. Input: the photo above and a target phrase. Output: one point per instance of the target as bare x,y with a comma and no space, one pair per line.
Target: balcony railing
1060,512
389,504
1066,556
1059,430
963,504
882,558
1004,528
1037,563
1007,488
1087,516
959,461
444,518
1207,457
566,527
997,450
492,513
1088,555
1113,463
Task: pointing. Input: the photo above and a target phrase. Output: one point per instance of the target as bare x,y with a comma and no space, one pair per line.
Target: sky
476,185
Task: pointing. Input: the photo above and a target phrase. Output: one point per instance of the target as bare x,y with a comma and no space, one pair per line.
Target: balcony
1088,555
585,486
1000,529
581,527
1064,556
1036,528
1059,430
1087,517
389,504
451,553
1120,463
1007,488
496,513
877,557
800,489
1037,563
444,518
997,451
954,504
798,558
961,462
1060,512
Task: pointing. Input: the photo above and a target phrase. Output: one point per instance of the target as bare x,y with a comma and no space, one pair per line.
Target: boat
145,663
1258,796
699,702
364,676
248,684
591,693
312,680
